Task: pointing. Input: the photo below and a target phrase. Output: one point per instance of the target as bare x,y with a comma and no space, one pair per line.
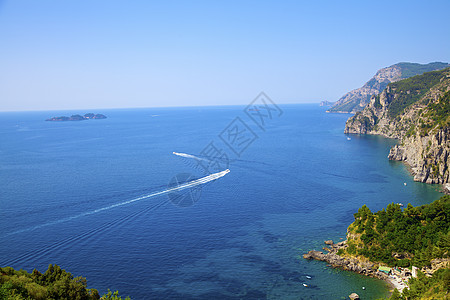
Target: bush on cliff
410,90
55,283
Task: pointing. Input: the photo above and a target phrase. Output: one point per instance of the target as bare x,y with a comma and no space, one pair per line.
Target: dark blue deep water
65,191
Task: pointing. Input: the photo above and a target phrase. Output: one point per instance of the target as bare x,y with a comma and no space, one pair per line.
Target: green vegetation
366,122
411,131
423,287
353,102
346,107
412,69
413,236
411,90
438,115
377,103
55,283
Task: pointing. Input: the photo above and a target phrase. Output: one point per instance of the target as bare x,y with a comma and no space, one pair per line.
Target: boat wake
62,244
185,155
178,187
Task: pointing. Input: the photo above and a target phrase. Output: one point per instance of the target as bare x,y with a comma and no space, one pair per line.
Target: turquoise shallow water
68,190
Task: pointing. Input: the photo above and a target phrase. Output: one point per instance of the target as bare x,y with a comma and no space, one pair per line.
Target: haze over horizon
114,54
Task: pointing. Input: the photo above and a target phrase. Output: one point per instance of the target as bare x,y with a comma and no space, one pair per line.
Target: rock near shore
345,263
354,296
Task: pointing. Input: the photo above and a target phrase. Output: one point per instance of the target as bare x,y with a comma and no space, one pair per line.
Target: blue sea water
78,194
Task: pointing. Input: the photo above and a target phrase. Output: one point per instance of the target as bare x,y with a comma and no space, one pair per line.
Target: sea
141,202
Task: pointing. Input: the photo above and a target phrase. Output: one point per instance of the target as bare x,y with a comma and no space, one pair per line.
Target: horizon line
148,107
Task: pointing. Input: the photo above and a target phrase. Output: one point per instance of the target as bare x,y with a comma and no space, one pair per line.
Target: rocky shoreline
427,156
353,264
424,137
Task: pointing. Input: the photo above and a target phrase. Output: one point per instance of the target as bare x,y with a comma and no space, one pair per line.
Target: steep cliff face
428,156
417,112
357,99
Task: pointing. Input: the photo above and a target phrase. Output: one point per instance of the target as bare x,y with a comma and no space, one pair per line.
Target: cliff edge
417,112
357,99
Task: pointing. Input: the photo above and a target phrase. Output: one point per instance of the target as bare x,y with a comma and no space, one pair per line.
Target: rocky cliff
357,99
417,112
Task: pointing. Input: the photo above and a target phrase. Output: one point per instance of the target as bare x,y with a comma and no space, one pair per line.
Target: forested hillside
396,237
55,283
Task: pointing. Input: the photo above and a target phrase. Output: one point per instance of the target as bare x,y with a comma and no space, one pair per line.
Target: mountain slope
416,111
357,99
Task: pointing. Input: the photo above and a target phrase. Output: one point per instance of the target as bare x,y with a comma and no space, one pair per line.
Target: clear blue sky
107,54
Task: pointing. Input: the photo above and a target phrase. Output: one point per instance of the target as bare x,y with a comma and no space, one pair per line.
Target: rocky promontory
88,116
326,103
406,247
415,111
357,99
346,263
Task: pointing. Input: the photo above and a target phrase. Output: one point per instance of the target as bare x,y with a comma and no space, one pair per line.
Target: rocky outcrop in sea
88,116
346,263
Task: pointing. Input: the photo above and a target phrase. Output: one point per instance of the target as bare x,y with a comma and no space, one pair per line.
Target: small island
88,116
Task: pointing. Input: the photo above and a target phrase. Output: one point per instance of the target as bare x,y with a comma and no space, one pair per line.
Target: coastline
353,264
339,112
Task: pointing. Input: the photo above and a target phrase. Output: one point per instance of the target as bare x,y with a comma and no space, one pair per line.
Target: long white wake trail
180,187
187,155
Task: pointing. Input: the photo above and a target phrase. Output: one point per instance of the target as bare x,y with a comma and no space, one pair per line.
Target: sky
87,54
